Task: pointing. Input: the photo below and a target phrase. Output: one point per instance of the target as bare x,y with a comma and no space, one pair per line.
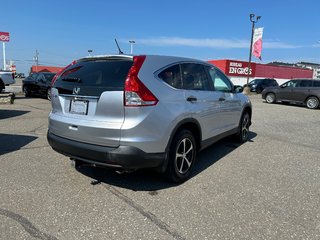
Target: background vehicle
131,112
38,84
299,91
257,85
6,78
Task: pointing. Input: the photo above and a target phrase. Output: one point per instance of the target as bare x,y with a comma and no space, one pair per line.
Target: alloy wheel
184,156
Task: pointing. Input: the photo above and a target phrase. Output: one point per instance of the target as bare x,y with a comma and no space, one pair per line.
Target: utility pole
247,88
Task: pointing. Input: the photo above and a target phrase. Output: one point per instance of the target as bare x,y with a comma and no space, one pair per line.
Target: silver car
131,112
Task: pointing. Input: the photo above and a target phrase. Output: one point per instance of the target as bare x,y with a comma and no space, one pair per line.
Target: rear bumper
123,157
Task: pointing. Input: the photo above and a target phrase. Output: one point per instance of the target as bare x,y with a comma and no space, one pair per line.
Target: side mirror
283,86
237,88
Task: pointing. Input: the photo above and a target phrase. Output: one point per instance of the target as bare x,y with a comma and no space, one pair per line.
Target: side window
219,81
194,77
172,76
316,83
306,83
291,84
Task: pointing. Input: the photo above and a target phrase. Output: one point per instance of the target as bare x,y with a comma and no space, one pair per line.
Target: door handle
222,99
192,99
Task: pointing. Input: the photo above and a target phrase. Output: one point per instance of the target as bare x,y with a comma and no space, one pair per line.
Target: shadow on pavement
10,143
4,114
149,180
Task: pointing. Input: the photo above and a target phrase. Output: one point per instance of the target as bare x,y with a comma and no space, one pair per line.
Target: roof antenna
120,52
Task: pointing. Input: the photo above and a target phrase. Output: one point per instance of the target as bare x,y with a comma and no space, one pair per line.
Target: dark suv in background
301,91
257,85
38,84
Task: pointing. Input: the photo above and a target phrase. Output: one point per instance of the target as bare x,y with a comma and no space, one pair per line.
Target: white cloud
208,42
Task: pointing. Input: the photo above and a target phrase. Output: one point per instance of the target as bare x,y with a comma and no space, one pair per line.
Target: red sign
4,37
240,69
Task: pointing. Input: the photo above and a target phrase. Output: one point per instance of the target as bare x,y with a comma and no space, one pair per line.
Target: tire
26,92
270,98
259,90
312,102
2,87
49,94
182,155
243,133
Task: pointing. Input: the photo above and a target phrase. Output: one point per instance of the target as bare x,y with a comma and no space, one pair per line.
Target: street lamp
254,21
89,52
131,45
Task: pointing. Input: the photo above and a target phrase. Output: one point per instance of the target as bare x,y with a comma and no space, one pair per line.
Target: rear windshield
94,76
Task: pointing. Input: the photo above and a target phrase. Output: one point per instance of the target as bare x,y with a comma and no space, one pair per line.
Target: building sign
4,37
240,69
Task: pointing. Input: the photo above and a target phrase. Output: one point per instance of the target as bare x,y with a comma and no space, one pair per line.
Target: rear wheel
244,125
270,98
259,90
182,156
312,102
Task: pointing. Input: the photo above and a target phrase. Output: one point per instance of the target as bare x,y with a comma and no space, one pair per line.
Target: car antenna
120,52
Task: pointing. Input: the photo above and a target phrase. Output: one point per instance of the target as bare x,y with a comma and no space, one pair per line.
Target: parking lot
267,188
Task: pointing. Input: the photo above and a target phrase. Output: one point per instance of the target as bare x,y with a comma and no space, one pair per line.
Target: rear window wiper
71,79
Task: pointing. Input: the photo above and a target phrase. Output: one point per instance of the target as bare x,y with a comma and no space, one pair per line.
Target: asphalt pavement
266,188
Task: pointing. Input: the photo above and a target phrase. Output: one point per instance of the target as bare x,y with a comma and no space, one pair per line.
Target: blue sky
62,31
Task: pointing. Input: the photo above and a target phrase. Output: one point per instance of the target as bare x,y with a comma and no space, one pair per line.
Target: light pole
254,21
89,52
131,46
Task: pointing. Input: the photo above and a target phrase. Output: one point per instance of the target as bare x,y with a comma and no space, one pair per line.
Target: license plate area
78,106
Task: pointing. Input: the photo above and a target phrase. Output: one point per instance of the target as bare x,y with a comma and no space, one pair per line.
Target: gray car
132,112
298,91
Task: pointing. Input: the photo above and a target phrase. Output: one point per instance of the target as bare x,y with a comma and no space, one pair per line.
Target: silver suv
132,112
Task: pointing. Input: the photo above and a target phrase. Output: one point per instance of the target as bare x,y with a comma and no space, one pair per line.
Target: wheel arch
190,124
313,95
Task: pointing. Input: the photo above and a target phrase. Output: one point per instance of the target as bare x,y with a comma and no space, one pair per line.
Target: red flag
257,42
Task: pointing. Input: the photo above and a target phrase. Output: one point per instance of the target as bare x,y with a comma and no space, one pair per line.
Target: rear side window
172,76
316,83
305,83
94,76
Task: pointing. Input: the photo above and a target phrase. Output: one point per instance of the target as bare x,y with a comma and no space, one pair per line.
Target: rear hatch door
87,100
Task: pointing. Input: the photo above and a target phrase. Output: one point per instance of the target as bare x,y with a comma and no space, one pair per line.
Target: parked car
299,91
38,84
132,112
6,78
257,85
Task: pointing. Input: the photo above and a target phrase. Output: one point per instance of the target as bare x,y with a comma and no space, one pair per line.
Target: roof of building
46,69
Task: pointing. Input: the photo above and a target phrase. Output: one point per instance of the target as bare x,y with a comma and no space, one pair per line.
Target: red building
237,71
45,69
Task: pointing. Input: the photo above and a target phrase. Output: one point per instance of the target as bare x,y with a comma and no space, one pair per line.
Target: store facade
238,71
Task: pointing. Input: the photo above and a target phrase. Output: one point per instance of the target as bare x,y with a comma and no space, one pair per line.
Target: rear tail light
60,72
136,94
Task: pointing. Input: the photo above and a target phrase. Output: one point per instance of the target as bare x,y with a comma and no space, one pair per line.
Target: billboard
4,37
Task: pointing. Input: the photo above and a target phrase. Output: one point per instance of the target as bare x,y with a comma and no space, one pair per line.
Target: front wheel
182,156
312,102
270,98
26,92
